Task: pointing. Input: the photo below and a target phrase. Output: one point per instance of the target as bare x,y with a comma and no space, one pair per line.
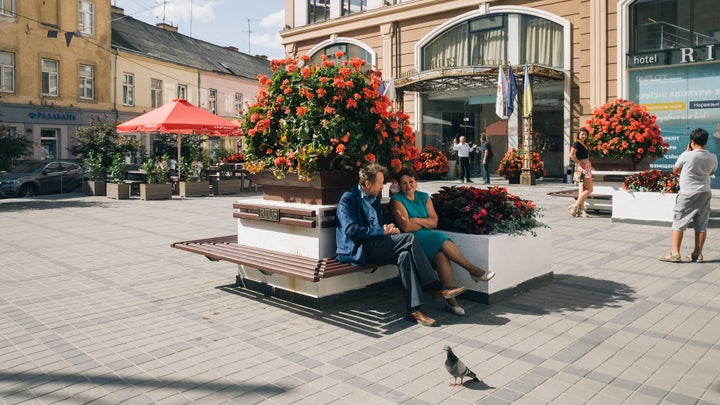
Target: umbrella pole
179,174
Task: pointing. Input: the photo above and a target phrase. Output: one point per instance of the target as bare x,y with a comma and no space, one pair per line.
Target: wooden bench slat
305,268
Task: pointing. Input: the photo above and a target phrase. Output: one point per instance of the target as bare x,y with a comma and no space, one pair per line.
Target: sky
220,22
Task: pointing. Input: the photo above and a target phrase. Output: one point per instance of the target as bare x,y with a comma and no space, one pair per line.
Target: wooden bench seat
269,262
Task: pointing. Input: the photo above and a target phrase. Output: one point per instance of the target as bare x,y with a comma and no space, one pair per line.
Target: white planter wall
642,207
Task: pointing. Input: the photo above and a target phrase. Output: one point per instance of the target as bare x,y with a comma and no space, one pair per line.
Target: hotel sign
675,56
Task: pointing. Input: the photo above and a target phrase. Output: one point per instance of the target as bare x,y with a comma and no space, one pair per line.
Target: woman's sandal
454,309
696,259
485,277
674,258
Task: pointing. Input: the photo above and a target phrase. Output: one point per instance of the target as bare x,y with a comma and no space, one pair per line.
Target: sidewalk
95,307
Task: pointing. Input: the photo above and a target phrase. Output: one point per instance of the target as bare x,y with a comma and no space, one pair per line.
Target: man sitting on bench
364,237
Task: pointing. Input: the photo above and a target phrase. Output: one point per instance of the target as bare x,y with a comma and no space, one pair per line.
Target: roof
138,37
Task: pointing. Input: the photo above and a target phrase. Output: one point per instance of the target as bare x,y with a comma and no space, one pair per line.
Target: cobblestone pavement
95,307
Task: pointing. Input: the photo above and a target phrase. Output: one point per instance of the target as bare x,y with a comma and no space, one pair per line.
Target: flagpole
527,177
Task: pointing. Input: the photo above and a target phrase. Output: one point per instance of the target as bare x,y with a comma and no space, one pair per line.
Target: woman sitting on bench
414,212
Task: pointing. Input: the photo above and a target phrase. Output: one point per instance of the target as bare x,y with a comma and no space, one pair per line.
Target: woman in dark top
579,155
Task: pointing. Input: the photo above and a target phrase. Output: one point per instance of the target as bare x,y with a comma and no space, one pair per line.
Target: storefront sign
52,116
672,56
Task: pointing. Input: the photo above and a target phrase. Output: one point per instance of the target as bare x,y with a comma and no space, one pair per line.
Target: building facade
63,63
443,57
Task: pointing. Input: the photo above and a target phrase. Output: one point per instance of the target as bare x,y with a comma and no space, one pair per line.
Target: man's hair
369,173
699,136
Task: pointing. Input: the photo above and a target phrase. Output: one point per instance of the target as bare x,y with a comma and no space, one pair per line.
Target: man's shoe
452,292
422,319
470,181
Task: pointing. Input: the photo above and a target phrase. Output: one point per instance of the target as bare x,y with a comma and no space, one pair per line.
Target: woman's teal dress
430,239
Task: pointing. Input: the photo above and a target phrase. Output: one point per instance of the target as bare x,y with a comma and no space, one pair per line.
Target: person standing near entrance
692,203
486,154
579,154
463,149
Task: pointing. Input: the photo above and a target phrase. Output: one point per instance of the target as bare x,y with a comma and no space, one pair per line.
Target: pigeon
456,368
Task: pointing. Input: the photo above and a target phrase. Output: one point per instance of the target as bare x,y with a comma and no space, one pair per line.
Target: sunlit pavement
95,307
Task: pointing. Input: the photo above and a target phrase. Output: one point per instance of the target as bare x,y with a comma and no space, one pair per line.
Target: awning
456,78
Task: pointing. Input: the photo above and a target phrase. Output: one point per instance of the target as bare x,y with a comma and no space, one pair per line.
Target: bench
268,261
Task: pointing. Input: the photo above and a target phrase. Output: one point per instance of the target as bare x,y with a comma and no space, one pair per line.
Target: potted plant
116,188
511,165
155,187
647,197
431,163
95,182
191,184
309,119
499,232
625,131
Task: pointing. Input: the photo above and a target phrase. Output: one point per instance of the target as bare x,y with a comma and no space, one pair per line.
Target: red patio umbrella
181,118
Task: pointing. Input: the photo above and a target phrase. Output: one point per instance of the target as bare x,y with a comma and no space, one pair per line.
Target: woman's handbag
578,175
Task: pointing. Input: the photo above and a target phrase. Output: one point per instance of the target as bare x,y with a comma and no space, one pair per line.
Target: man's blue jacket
353,227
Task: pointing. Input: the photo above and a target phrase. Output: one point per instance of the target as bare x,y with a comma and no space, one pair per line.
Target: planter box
118,191
326,187
162,191
231,186
642,207
194,188
520,263
95,188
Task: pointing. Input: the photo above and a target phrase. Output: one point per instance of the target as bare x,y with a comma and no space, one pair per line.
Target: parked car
31,178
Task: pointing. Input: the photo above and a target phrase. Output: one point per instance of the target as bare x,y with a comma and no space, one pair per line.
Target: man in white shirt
464,150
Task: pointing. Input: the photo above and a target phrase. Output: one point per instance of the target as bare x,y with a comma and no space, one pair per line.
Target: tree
99,138
12,146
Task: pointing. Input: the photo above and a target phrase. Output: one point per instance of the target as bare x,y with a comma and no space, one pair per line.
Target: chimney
117,10
232,48
167,27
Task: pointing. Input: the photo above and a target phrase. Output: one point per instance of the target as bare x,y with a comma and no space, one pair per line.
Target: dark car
31,178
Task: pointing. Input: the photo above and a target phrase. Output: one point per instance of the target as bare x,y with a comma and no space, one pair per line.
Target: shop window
7,72
50,69
49,143
87,82
669,24
128,89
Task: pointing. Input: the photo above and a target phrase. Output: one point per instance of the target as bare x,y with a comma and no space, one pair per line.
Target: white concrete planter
520,263
642,207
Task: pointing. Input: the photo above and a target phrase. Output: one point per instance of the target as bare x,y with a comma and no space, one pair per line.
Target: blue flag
511,92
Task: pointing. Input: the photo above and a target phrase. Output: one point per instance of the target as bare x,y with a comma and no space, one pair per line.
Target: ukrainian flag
527,94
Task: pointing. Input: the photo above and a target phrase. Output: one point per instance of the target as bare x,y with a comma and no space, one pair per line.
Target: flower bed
484,211
510,166
653,181
431,163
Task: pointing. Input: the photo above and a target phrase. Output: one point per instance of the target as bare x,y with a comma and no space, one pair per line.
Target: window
350,51
7,72
50,69
666,24
182,91
353,6
318,10
7,7
49,143
128,89
87,86
212,101
484,41
155,93
86,18
238,104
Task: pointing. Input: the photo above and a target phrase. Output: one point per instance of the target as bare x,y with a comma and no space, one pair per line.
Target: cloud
274,20
179,11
